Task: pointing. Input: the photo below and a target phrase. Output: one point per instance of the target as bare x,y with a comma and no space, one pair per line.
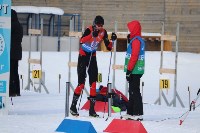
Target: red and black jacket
90,43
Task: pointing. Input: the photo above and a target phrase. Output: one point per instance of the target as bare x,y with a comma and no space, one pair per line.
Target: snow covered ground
42,113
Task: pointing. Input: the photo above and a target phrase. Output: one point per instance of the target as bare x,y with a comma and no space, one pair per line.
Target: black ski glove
128,38
95,33
113,36
128,74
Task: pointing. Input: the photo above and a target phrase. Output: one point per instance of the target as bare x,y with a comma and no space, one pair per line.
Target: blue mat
75,126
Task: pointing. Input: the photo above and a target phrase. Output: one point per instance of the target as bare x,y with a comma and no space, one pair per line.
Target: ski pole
120,98
104,110
186,114
80,99
142,91
108,76
189,95
192,106
109,66
85,80
195,100
110,60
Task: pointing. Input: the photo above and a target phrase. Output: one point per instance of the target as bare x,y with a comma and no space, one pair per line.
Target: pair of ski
192,107
129,118
78,116
106,118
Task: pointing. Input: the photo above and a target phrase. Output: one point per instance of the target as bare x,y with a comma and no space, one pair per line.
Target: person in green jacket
134,68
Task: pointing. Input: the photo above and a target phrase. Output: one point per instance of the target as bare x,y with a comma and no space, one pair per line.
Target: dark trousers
14,87
87,63
135,105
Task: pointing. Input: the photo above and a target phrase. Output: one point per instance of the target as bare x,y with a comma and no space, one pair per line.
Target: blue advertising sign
2,86
1,102
5,33
5,25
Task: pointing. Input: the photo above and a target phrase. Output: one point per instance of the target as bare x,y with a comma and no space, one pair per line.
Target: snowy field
42,113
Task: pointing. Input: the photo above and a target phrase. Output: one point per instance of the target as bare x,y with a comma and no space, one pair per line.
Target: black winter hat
99,20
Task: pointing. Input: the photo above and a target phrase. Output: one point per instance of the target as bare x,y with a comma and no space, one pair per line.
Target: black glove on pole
128,38
128,74
113,36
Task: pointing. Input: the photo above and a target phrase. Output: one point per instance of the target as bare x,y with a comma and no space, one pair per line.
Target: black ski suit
15,54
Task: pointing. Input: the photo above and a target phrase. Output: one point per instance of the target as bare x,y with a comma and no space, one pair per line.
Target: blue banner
1,102
2,86
5,35
5,24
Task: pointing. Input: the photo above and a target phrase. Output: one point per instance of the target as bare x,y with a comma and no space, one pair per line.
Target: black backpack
116,100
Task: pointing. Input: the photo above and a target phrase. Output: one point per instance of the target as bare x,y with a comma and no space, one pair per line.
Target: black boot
92,112
73,109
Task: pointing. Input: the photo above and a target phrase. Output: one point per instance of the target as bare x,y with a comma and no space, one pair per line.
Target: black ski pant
14,87
135,104
87,63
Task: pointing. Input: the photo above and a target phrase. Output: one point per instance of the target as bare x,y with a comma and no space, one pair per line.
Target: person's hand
95,33
128,74
128,38
113,36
